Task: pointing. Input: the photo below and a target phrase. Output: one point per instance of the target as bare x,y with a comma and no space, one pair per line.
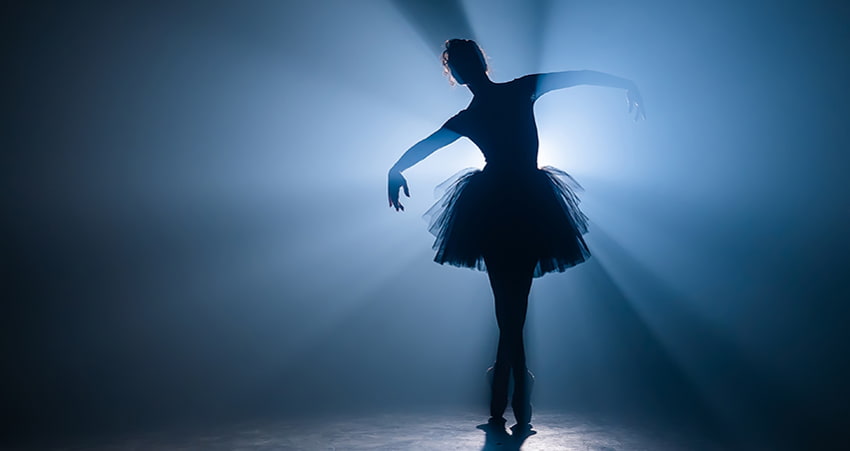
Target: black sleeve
528,85
455,123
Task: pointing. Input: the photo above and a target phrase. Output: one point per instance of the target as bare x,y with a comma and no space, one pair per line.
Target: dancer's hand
395,181
636,103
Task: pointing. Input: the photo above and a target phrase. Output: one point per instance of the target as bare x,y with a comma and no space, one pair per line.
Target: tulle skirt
530,214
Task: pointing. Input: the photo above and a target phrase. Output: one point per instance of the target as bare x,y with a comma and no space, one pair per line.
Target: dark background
194,229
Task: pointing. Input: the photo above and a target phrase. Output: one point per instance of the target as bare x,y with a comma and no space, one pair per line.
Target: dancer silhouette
512,219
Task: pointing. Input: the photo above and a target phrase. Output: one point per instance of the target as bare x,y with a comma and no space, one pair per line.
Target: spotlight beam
702,352
436,21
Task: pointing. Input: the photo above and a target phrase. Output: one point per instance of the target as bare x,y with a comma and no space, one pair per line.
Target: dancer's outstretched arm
559,80
415,154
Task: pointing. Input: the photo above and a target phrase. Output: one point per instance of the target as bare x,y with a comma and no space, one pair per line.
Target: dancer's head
464,61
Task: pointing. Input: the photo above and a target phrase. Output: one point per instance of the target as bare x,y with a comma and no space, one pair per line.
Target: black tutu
512,213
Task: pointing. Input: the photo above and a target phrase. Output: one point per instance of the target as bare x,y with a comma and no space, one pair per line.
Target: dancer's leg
510,280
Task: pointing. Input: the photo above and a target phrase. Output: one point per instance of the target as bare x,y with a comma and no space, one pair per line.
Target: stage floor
456,431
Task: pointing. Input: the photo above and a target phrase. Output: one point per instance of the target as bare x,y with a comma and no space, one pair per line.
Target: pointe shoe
522,430
499,390
521,402
495,426
497,422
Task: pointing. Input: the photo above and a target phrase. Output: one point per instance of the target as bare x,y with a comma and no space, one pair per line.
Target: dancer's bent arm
415,154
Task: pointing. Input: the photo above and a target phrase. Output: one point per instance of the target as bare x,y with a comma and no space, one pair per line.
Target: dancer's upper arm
544,83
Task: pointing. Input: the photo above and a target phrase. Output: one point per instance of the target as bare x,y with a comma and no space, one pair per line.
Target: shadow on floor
497,438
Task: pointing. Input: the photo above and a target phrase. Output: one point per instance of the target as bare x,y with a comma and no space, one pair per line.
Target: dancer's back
500,121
